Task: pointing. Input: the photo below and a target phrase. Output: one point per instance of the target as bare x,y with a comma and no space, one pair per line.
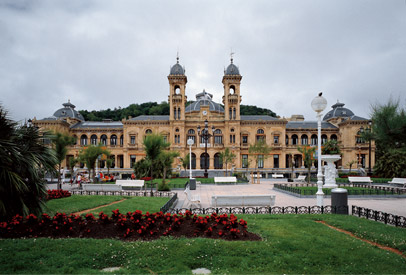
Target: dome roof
232,69
204,99
338,111
177,69
68,110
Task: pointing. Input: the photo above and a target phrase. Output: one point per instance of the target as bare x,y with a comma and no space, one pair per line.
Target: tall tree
259,150
389,133
23,156
307,153
185,161
89,156
60,143
166,158
153,145
227,157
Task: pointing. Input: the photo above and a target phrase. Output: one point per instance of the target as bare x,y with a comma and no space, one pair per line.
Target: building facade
229,129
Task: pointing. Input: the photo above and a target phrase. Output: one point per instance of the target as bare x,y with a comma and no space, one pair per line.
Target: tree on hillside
389,133
60,143
153,145
227,157
89,156
260,152
307,153
22,156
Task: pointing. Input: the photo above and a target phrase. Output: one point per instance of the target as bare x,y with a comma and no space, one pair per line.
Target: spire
177,57
231,56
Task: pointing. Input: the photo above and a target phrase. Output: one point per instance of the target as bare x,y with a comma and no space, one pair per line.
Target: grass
291,244
78,203
351,191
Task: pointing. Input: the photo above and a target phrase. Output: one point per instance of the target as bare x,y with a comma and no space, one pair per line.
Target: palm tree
259,150
185,161
153,145
23,155
227,157
351,163
90,155
307,153
166,158
60,142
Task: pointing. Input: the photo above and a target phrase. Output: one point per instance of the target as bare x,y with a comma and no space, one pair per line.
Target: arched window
148,131
203,159
93,140
177,136
287,140
260,135
333,137
294,140
218,136
121,140
103,139
113,140
323,139
358,137
177,90
304,140
232,89
313,139
231,113
217,161
83,140
178,113
234,113
191,135
174,113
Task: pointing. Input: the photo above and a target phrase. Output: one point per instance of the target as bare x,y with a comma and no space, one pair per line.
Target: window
103,139
113,140
333,137
232,139
122,140
245,139
234,113
260,135
178,113
231,113
276,139
358,138
75,140
132,160
287,140
244,161
191,135
203,159
132,139
165,138
275,161
174,113
261,161
323,139
148,131
304,140
93,140
294,139
177,139
218,137
314,140
83,140
217,162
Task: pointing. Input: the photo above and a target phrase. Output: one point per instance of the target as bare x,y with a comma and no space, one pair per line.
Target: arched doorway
217,161
202,161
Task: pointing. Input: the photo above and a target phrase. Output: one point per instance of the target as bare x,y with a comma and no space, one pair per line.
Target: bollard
339,200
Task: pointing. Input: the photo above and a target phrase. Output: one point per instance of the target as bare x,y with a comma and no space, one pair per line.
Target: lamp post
190,142
205,135
318,104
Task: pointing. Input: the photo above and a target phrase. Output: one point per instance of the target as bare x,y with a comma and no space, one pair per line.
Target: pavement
390,205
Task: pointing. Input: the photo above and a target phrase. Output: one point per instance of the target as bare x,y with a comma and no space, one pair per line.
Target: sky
110,54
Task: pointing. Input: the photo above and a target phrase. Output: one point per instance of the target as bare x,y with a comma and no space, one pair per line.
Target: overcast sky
106,54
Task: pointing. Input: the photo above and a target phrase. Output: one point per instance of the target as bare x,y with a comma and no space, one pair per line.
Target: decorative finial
177,57
231,56
320,94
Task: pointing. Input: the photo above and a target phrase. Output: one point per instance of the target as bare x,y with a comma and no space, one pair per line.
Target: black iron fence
378,216
124,193
169,203
367,191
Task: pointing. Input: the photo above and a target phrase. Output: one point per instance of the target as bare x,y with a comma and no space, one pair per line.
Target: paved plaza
395,206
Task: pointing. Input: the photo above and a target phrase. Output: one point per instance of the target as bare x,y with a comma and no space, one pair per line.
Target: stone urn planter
330,171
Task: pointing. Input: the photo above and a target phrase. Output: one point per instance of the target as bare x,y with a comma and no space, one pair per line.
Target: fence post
359,211
386,218
296,209
256,210
322,209
396,220
270,209
243,210
309,209
283,209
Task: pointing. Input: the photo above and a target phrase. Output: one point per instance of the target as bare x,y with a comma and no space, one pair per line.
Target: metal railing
124,193
169,203
378,216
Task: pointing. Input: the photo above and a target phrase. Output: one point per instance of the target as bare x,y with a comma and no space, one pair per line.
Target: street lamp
369,130
205,135
319,103
190,142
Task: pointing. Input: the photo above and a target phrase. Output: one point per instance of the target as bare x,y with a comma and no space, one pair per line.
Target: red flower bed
146,178
57,194
131,226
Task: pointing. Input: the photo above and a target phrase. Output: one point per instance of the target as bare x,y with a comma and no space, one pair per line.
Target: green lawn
351,191
77,203
291,244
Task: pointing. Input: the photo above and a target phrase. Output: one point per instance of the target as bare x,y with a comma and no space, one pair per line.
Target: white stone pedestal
330,170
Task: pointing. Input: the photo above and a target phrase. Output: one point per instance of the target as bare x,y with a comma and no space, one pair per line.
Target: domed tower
177,86
232,97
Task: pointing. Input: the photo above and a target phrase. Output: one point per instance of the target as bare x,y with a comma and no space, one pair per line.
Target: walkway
388,205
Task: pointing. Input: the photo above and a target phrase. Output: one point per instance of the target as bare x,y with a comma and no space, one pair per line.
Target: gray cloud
105,54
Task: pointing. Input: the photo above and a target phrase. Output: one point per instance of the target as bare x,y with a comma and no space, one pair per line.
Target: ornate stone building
231,130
